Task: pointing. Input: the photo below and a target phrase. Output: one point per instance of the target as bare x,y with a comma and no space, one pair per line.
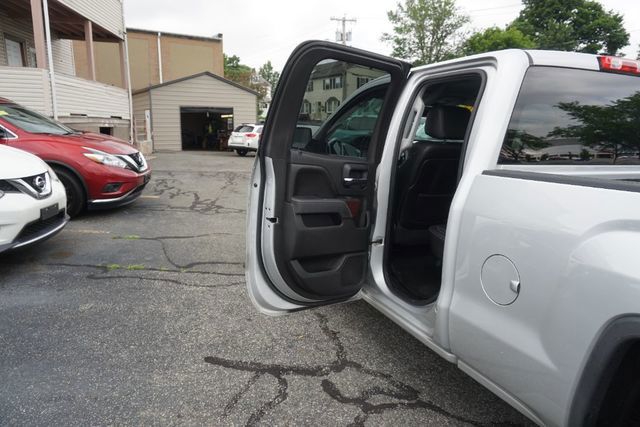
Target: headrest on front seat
447,122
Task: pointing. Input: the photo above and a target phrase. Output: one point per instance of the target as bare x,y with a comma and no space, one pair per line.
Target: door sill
397,315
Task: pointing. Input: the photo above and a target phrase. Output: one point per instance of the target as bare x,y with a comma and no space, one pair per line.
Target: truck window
568,116
341,124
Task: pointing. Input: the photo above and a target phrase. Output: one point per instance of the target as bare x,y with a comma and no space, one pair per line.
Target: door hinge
377,241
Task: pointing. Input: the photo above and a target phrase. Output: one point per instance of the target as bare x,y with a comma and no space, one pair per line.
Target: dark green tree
425,31
572,25
613,128
242,74
269,74
518,142
495,38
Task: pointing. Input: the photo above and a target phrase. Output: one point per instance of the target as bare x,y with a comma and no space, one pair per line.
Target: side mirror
301,137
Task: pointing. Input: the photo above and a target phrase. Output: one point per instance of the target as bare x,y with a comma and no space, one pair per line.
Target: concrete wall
203,91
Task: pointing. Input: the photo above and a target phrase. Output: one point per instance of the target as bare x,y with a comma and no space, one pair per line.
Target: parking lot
140,315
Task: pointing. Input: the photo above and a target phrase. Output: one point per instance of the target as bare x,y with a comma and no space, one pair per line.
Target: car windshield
244,129
32,122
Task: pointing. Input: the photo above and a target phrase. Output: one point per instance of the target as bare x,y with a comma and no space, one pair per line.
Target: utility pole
343,34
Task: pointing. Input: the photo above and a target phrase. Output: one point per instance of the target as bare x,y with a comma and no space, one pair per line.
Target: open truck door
312,187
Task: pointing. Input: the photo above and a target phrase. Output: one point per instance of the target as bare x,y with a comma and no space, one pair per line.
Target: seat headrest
447,122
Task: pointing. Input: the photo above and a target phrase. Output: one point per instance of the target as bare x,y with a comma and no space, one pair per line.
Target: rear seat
437,235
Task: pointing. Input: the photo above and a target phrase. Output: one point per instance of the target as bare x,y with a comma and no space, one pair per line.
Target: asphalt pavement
140,316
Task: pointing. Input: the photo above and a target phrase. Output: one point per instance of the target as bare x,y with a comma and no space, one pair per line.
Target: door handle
349,181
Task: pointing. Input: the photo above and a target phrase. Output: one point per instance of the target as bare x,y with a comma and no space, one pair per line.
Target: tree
425,31
610,128
494,38
269,74
242,74
237,72
572,25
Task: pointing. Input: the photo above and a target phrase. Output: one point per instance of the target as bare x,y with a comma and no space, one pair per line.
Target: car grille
7,187
137,158
135,161
28,185
40,227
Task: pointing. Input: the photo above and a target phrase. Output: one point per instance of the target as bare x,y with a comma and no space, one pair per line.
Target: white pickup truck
489,205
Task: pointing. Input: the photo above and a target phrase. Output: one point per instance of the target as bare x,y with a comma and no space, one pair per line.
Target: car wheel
241,152
74,190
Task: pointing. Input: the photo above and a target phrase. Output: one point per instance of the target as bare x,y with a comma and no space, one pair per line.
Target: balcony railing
75,96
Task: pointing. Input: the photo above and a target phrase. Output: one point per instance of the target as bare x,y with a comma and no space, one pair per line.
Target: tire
241,152
76,198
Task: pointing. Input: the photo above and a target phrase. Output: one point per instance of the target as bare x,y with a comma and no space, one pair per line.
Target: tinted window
31,121
578,117
340,124
244,129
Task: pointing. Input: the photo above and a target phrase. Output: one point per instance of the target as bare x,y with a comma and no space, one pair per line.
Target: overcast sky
258,30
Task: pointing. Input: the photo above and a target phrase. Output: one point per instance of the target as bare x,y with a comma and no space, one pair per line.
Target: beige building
195,112
154,57
37,64
330,84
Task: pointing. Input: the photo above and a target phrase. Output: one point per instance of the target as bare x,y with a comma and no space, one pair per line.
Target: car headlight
52,174
104,158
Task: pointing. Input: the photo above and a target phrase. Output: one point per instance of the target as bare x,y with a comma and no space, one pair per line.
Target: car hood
16,163
96,141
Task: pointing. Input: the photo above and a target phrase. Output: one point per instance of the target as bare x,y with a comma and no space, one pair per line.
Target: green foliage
425,31
572,25
614,127
269,74
237,72
495,38
242,74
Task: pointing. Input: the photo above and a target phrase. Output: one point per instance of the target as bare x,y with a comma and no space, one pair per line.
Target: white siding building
27,78
182,108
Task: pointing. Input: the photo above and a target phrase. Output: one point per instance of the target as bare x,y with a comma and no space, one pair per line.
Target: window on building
567,116
332,83
331,105
310,86
306,107
361,81
15,52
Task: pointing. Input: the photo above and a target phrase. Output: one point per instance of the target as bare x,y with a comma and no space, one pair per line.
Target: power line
343,34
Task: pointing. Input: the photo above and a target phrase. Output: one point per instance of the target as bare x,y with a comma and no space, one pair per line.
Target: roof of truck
534,57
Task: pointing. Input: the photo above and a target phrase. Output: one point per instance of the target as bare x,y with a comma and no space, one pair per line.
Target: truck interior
429,166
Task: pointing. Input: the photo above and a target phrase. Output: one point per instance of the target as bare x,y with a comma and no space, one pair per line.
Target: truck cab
489,205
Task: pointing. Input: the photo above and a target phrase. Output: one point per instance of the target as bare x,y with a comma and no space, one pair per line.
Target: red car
97,171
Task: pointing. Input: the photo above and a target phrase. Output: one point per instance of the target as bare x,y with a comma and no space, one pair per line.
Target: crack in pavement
159,279
166,186
161,239
106,269
408,396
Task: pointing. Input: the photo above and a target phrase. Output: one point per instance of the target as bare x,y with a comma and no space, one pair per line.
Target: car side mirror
301,137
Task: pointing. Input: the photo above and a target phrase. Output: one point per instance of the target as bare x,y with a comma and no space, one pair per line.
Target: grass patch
127,237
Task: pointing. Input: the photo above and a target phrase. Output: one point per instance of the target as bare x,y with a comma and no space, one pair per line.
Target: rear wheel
75,193
241,152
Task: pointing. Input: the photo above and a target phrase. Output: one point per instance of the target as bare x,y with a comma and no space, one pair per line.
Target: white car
245,138
32,200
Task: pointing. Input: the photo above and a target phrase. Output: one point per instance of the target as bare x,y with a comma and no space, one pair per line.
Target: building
195,112
180,97
154,58
331,83
37,63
